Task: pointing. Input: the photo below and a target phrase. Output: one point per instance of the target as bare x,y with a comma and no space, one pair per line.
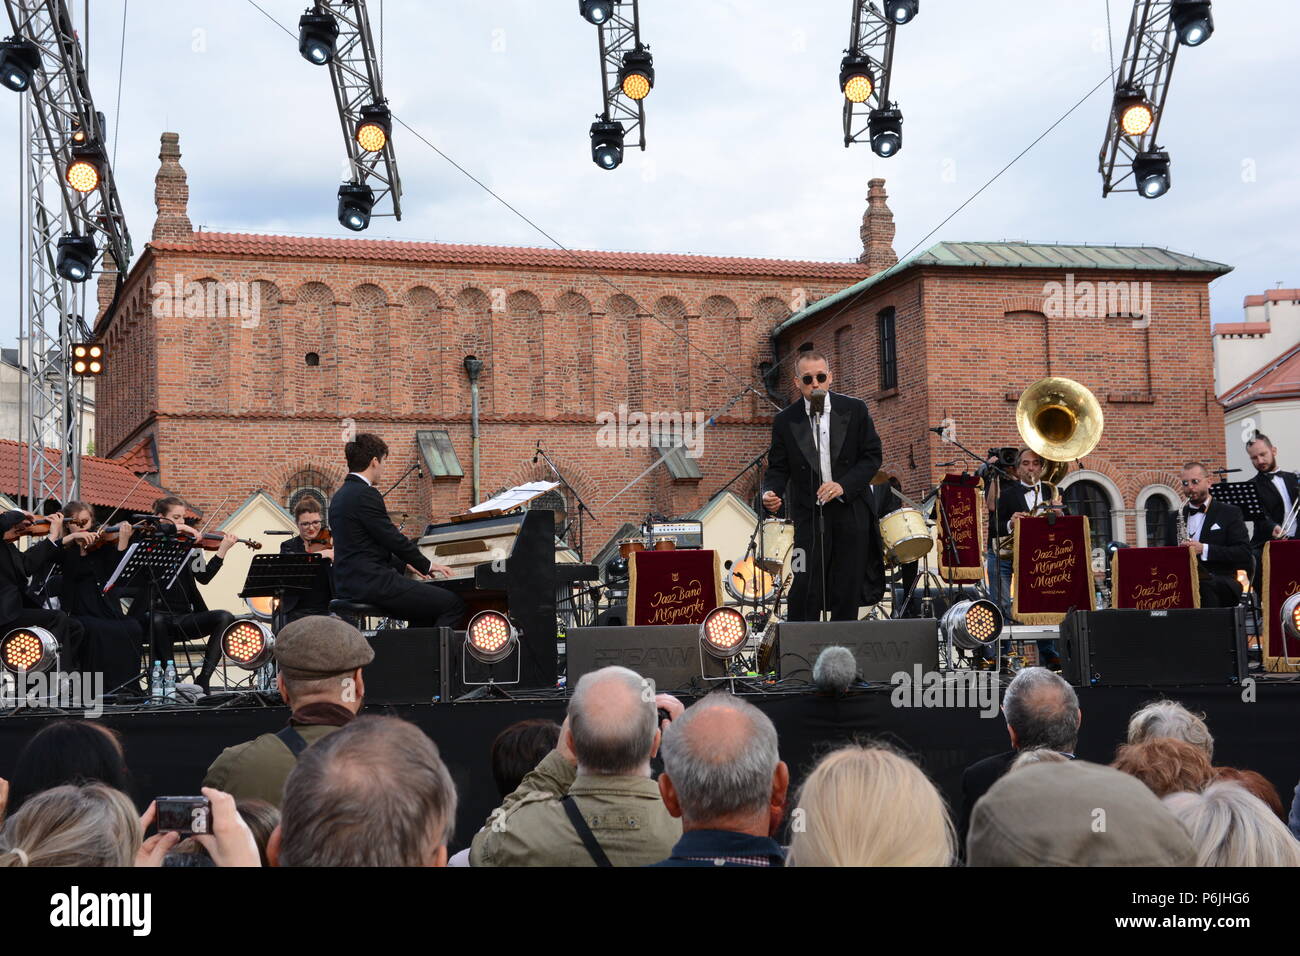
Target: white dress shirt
358,474
1033,498
1196,522
824,439
1280,485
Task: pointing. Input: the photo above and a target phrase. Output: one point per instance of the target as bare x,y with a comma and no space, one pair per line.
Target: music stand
1243,494
145,563
275,575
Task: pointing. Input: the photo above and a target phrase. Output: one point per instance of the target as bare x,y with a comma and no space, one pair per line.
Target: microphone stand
582,505
385,494
818,480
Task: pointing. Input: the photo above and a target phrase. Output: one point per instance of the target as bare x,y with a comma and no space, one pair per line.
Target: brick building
249,382
229,399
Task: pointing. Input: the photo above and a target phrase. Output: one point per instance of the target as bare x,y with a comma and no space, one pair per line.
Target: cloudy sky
745,155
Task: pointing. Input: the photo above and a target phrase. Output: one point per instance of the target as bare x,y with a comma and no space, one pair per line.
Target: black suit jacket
16,568
975,782
366,544
855,458
1011,500
322,589
1272,504
1225,532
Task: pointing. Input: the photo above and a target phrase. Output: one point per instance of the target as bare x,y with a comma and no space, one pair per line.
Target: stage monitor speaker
407,667
463,674
1154,648
882,648
667,654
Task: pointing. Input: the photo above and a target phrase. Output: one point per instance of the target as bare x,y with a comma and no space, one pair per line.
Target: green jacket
258,769
625,814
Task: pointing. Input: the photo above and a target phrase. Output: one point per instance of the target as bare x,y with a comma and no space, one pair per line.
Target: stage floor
169,750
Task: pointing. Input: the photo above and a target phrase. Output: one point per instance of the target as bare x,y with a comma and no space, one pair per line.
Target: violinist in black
19,606
113,641
307,515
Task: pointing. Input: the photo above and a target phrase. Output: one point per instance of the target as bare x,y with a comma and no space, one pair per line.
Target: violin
211,541
323,541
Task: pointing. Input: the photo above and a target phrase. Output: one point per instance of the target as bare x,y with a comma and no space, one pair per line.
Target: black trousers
170,628
421,604
1218,590
112,647
66,629
845,548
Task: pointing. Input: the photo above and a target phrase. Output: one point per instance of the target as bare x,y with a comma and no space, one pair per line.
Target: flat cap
1074,814
312,648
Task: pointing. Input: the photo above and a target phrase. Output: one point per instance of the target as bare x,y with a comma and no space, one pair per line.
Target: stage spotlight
30,649
972,624
375,127
723,632
263,606
901,11
1291,617
83,173
855,78
1192,21
607,143
616,570
886,129
19,60
490,637
75,258
247,644
637,78
596,11
87,359
355,203
1133,111
1151,170
317,33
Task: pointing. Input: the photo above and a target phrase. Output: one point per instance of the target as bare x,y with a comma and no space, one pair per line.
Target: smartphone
185,815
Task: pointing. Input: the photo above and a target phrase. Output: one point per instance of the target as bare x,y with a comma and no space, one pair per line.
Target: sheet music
514,497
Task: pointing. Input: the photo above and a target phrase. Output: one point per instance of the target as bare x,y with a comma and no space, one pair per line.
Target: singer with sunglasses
825,451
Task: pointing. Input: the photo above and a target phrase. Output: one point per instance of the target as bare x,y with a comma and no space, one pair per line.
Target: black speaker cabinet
407,666
1154,648
667,654
882,648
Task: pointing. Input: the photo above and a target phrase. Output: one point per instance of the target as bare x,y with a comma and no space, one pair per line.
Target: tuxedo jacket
367,545
16,570
1225,532
855,454
1012,499
1272,504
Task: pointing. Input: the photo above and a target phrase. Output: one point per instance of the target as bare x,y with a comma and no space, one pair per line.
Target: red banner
1052,569
1281,579
1154,579
673,587
961,514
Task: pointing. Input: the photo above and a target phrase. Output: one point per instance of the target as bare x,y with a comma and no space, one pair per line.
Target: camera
184,815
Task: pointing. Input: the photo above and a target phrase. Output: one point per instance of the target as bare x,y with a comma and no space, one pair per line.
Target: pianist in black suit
316,601
369,552
1278,491
1216,532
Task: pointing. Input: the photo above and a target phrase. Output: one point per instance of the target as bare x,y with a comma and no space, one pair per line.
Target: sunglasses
821,379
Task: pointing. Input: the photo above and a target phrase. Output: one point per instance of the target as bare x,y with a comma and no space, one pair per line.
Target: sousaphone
1061,420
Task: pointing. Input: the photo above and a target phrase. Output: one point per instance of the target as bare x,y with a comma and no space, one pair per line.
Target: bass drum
906,536
749,583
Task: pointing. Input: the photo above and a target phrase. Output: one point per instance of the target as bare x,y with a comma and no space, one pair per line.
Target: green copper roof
1023,255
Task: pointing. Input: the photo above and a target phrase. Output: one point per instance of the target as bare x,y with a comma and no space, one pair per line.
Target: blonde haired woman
1230,826
869,806
89,825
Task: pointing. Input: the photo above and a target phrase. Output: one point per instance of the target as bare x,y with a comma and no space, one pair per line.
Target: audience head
1257,784
1074,813
1165,765
722,770
518,749
1042,710
374,793
262,819
870,806
320,661
68,751
612,719
1168,718
1033,755
72,825
1229,826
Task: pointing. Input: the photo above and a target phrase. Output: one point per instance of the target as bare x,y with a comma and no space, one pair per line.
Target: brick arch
668,359
312,326
569,352
623,378
1023,303
419,338
278,481
470,334
770,309
1111,480
422,289
621,304
367,294
260,382
719,307
519,355
366,351
570,465
211,379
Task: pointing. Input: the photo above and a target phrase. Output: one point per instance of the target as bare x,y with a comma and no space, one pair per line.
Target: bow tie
1195,511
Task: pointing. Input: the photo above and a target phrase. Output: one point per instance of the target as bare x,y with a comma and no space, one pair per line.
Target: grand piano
507,563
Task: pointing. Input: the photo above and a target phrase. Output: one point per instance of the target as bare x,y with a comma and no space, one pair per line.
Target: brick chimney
171,195
877,230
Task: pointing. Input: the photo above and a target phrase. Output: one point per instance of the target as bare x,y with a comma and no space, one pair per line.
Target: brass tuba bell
1061,421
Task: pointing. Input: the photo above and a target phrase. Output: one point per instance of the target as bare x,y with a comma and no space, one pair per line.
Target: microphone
834,671
1224,471
538,451
818,401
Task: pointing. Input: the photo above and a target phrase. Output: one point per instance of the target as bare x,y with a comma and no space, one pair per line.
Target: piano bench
356,613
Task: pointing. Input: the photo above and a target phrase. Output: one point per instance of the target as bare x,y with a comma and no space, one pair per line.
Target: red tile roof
104,481
1278,379
1242,328
1273,295
140,458
240,244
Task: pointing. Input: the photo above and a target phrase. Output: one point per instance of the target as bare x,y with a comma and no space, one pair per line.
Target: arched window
1155,517
309,483
1089,498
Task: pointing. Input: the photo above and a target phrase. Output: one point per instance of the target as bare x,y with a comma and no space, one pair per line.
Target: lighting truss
355,76
872,36
1147,64
58,103
619,35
